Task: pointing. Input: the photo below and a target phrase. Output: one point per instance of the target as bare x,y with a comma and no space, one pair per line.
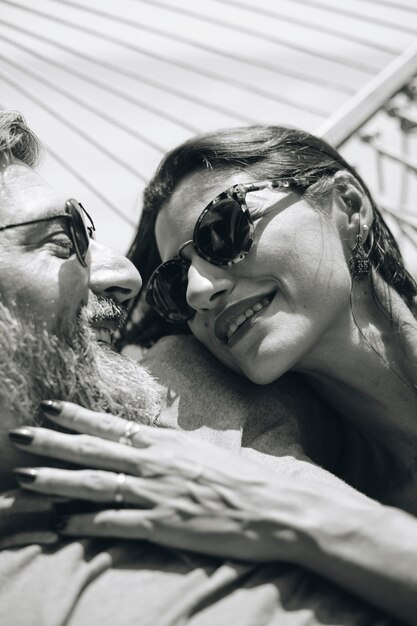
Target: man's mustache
101,309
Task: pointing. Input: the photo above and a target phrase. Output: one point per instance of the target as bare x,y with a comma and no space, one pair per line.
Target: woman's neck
365,370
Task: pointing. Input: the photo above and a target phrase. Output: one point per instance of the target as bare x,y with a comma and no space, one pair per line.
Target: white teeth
233,326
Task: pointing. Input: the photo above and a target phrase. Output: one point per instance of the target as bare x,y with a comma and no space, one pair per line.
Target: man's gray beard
36,365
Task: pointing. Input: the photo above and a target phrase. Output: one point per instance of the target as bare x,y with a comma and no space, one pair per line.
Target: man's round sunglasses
223,235
81,227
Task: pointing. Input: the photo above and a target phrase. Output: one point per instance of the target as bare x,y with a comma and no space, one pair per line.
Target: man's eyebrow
49,219
46,216
40,224
52,211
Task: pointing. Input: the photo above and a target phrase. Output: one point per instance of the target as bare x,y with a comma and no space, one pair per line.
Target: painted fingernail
23,436
59,523
25,475
53,407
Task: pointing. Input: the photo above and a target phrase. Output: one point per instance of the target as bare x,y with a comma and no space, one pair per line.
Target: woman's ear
351,200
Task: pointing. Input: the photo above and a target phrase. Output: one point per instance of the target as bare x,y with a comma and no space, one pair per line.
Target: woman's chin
259,374
248,362
260,379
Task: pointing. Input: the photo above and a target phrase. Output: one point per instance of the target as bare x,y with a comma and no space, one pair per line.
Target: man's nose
112,275
206,284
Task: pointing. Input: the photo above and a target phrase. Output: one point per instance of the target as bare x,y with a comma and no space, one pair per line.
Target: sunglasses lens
82,240
223,232
167,290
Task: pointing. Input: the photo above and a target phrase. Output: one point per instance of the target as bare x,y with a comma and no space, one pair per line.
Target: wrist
309,522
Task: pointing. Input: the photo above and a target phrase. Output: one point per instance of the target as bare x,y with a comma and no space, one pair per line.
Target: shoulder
285,417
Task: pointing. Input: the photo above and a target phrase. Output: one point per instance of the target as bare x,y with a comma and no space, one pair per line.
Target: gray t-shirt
109,583
135,583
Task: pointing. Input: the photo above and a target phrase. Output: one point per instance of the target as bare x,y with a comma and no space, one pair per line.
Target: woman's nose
206,284
112,275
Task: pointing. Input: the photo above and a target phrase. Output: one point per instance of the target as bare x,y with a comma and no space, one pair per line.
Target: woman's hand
188,494
180,491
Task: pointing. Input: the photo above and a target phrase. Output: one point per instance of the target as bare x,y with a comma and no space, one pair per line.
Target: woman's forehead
196,190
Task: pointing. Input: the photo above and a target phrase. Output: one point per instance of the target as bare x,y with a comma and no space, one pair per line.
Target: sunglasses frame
238,194
73,206
73,210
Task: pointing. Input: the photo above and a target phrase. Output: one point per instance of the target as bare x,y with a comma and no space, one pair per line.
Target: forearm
362,546
189,495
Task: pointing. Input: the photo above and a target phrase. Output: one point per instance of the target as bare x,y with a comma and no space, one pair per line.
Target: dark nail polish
59,523
51,407
23,436
25,475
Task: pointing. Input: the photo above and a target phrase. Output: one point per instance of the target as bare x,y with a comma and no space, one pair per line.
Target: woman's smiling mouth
236,316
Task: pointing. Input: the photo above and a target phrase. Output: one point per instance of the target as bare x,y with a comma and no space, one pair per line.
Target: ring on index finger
132,428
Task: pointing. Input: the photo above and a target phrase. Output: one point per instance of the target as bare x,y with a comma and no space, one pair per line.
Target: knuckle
79,414
105,526
44,445
96,482
73,411
85,445
106,422
48,442
134,462
136,467
106,521
163,514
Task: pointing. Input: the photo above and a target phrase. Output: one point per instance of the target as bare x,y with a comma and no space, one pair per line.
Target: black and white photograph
208,311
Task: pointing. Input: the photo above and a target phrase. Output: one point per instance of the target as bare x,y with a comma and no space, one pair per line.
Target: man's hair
259,152
16,137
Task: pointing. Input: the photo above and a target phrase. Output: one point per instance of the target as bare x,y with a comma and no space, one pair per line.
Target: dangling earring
359,263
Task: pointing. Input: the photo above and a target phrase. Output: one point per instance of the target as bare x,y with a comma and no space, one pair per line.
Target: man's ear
354,204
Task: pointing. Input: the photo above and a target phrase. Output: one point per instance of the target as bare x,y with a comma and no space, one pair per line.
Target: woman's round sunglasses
81,227
223,235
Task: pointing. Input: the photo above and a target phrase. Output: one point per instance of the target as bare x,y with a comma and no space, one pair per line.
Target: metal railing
377,131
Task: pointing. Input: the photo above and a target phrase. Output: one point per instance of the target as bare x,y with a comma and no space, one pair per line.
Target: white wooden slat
339,127
171,56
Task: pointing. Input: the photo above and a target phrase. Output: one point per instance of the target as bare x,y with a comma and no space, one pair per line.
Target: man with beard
49,262
48,265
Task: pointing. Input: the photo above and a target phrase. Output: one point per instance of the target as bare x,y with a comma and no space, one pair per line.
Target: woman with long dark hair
266,245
